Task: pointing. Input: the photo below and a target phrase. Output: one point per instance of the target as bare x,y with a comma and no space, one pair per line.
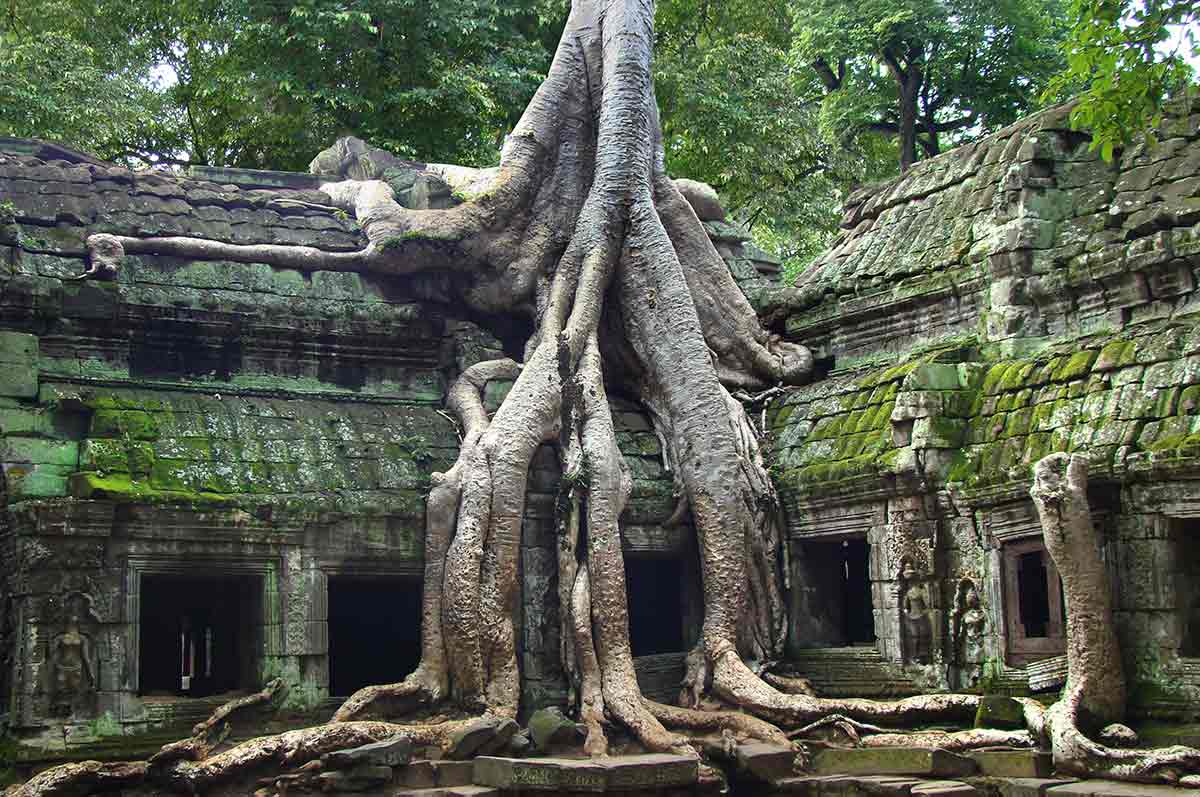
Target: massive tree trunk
1095,692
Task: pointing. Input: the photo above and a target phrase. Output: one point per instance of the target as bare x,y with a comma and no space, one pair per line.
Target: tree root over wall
1094,696
581,232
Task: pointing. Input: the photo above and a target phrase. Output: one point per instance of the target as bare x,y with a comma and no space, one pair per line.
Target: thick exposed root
1095,691
81,779
591,690
609,489
268,755
954,741
790,685
289,750
209,734
1076,754
743,727
737,684
388,700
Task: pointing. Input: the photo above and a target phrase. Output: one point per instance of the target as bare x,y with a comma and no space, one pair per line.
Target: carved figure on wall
73,663
967,632
914,611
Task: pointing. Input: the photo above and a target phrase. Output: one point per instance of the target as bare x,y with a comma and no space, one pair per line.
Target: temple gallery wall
216,475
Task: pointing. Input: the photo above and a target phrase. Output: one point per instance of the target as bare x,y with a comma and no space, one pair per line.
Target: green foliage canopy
925,70
1123,59
267,84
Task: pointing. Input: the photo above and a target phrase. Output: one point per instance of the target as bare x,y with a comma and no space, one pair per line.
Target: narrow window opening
1033,603
1034,595
374,631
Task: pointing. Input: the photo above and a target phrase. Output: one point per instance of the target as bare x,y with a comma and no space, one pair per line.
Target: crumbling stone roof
60,202
1024,234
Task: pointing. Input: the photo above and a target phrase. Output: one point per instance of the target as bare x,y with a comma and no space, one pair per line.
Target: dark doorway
832,603
1033,603
1186,534
199,636
374,631
654,590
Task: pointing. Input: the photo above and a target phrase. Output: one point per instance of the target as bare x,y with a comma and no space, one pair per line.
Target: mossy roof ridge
840,430
1130,401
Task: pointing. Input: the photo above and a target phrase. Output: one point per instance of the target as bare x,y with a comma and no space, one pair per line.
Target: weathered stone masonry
264,427
1008,299
271,431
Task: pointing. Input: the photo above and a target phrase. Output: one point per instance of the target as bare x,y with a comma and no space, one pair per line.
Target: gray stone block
891,761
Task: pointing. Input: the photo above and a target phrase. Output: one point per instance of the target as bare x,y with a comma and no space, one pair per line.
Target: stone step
430,774
943,788
851,672
1029,787
892,761
1110,788
869,786
1013,763
449,791
632,772
766,762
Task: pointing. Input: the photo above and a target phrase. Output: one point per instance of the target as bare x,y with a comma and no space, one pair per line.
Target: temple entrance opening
655,589
832,601
1033,603
374,631
1186,534
199,636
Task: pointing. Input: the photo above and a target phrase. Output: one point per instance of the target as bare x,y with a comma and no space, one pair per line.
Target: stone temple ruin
214,477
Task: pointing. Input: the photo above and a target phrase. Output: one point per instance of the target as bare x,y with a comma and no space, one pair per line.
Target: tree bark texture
1094,695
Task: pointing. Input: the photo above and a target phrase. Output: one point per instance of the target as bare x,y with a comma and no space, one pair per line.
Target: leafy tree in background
1127,57
738,114
268,84
926,70
73,76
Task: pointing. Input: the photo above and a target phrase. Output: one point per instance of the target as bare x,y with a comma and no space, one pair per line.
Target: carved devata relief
967,633
74,677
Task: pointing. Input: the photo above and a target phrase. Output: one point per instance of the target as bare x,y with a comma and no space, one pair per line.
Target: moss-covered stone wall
211,419
1008,299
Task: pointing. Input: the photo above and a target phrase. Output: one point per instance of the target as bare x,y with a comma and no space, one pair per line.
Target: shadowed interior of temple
839,611
374,631
1187,575
198,635
655,589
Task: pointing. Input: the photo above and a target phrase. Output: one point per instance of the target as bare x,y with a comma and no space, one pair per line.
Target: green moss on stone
1076,366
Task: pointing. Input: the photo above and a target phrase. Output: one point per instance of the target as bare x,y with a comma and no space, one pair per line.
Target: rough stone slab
1013,763
449,791
885,785
538,774
553,774
767,762
1111,788
944,788
357,779
388,753
1030,787
892,761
